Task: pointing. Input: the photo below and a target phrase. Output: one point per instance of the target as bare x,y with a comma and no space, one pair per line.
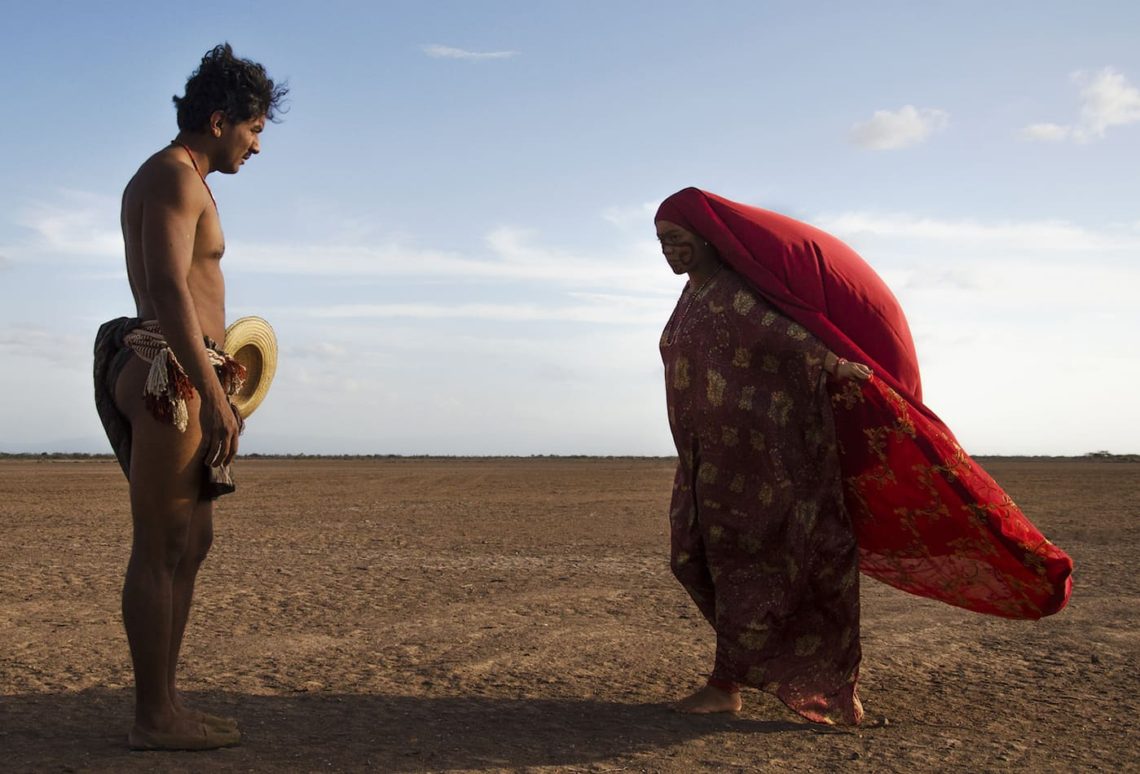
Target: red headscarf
928,519
811,277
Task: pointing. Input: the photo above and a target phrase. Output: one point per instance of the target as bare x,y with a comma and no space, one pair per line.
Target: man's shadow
336,731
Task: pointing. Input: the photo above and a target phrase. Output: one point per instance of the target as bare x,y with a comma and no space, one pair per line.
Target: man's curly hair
239,88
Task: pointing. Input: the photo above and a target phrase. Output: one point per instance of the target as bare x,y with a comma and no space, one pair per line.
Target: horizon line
106,456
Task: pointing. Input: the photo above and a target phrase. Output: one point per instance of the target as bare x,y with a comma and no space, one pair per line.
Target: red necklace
195,164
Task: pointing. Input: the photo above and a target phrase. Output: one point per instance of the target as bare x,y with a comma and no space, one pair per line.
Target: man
162,385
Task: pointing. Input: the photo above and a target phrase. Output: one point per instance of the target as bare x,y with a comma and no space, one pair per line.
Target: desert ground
519,614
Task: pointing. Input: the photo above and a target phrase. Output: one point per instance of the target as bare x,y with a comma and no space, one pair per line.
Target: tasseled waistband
167,385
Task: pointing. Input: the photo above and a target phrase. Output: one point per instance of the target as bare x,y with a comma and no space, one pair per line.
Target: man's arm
170,215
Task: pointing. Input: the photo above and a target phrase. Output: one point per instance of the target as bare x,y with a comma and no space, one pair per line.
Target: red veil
928,519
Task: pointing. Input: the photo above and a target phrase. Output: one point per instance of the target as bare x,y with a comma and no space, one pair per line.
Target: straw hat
251,342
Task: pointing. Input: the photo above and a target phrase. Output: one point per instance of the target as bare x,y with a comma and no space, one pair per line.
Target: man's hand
220,428
240,419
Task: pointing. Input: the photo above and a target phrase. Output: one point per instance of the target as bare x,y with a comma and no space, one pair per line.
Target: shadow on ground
308,731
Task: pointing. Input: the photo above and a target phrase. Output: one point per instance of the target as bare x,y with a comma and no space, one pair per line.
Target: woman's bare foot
708,700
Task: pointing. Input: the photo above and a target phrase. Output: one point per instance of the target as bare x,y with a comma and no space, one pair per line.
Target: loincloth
165,394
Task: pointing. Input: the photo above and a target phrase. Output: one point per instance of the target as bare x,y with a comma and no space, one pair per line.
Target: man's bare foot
215,721
708,700
182,734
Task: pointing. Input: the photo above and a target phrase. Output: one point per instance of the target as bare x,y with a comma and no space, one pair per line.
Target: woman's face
684,250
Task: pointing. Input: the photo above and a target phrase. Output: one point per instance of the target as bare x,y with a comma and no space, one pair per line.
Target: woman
797,468
760,537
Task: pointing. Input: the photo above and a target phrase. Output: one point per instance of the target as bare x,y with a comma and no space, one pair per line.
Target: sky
451,228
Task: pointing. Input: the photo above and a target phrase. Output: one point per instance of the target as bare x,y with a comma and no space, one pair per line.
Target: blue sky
451,228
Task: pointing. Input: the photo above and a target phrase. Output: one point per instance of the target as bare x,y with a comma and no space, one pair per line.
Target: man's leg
199,540
165,484
200,537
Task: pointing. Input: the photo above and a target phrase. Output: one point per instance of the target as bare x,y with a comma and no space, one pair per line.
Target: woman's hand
842,368
845,369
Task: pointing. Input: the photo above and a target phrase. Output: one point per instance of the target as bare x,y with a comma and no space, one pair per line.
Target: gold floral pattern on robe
760,536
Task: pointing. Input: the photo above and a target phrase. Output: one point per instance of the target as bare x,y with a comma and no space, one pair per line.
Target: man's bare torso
167,180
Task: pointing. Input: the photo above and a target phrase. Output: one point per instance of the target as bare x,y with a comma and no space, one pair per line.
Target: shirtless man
163,382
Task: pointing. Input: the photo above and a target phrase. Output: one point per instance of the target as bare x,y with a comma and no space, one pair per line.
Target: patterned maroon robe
761,539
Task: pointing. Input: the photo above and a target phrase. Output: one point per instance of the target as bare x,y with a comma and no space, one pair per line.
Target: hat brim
251,342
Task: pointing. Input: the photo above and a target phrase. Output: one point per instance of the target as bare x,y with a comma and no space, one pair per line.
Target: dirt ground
444,615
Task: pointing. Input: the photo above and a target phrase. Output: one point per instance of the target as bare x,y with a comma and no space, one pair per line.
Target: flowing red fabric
928,518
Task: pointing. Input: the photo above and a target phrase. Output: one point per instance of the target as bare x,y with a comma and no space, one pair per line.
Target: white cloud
1051,236
437,51
1107,100
902,128
74,226
980,274
640,216
510,255
611,310
69,350
320,350
1046,132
